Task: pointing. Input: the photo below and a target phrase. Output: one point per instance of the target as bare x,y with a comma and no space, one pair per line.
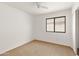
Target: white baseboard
52,42
10,48
15,46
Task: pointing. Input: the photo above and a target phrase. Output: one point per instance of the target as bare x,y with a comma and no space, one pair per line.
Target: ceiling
31,7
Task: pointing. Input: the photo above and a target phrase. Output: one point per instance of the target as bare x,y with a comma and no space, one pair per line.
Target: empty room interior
39,28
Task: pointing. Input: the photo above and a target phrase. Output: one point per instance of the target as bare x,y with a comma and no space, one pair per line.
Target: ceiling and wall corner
31,7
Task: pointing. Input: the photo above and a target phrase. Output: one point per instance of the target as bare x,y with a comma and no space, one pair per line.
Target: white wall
15,27
59,38
75,24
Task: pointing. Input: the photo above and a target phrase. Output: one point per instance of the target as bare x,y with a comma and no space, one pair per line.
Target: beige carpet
39,48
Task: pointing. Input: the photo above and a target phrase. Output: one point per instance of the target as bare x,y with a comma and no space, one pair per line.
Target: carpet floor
40,48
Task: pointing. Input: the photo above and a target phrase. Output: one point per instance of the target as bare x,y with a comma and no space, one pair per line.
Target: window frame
54,24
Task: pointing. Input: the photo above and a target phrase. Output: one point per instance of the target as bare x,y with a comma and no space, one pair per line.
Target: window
56,24
50,25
